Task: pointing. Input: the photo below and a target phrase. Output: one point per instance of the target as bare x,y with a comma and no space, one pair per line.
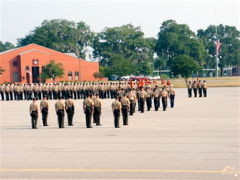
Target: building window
76,76
15,63
69,75
15,77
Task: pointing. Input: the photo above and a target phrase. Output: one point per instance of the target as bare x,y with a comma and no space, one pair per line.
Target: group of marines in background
126,94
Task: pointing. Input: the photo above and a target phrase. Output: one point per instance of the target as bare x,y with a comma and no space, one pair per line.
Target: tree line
124,50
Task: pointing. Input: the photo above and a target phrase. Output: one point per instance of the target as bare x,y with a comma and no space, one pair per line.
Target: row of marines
125,103
53,91
197,87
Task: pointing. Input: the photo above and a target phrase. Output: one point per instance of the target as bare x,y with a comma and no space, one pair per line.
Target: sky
18,18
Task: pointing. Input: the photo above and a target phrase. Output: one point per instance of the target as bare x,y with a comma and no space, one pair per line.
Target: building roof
7,51
33,50
68,54
71,54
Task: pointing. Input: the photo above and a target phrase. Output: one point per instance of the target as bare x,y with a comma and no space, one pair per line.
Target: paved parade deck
198,139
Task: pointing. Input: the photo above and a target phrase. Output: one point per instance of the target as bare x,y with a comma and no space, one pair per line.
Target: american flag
27,71
217,46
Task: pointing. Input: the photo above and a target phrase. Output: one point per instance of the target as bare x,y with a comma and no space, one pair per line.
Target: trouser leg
11,95
125,115
88,118
200,92
189,92
97,115
172,100
34,121
156,103
195,92
116,118
69,118
59,121
44,118
131,107
205,92
148,104
2,95
62,120
164,99
142,105
7,95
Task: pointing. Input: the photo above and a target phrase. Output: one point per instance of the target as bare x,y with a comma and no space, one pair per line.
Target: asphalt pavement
197,139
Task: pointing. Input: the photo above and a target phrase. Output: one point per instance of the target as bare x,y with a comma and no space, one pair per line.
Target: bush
165,76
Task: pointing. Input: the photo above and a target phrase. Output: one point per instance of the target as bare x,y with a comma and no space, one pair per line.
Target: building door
35,74
15,77
28,78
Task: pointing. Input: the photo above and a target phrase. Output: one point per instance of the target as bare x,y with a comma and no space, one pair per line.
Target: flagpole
216,45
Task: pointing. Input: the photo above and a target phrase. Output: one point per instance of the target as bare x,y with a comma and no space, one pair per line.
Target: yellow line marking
116,170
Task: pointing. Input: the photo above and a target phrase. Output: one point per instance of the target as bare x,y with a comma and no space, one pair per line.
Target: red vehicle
137,78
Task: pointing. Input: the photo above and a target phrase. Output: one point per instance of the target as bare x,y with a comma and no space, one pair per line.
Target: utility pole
216,44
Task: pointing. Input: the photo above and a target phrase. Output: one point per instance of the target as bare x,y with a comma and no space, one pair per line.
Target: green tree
177,39
229,38
145,68
98,75
184,65
6,46
120,66
127,41
52,70
61,35
1,70
159,63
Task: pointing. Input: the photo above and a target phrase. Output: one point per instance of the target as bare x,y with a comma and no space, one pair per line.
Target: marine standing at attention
132,97
194,87
69,106
164,95
116,109
88,108
125,103
60,111
204,86
33,111
171,94
189,86
97,109
156,95
142,96
149,98
44,106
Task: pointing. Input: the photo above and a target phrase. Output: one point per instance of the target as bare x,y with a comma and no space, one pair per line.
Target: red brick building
34,57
